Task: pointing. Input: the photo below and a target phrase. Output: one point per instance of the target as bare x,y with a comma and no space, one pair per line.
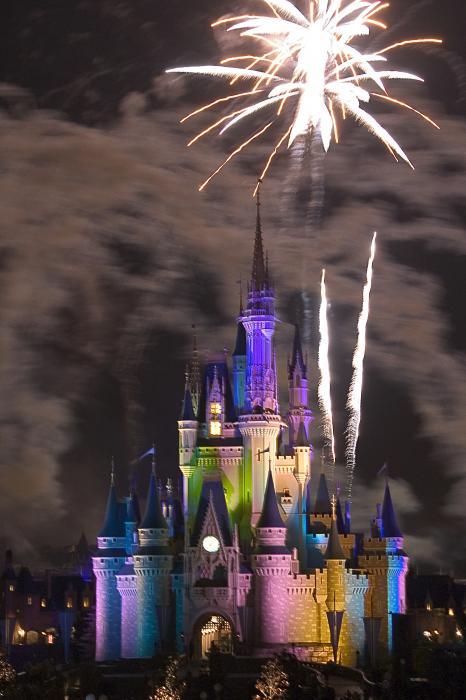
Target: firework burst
325,401
307,73
355,393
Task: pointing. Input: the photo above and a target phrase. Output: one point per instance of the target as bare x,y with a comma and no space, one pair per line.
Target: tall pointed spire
301,439
258,277
187,410
270,516
195,373
153,517
322,505
297,357
334,550
390,526
113,525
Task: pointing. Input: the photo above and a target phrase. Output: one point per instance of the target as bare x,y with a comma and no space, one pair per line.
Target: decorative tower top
322,504
187,410
153,517
113,524
270,516
259,320
297,364
390,526
259,271
334,550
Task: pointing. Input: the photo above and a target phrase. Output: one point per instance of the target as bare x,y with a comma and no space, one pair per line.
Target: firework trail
325,401
310,75
354,396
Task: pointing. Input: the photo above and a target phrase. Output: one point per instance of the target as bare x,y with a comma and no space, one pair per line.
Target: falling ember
325,401
306,72
354,396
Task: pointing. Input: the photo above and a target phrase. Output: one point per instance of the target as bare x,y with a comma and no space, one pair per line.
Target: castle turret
187,430
260,422
259,321
126,581
299,412
152,566
336,594
110,558
302,473
387,565
271,564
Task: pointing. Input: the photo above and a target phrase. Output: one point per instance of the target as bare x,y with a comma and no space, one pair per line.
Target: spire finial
240,283
112,472
153,458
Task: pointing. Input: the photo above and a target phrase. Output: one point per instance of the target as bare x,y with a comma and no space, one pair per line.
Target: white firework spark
311,74
354,396
325,400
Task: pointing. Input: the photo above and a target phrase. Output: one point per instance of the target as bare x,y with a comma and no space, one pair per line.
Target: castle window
29,600
86,602
11,588
215,409
69,602
215,427
43,603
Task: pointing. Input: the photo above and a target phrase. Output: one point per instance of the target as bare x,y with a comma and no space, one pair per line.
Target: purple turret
271,563
259,321
299,412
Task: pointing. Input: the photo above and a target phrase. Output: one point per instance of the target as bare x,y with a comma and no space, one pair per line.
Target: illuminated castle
268,561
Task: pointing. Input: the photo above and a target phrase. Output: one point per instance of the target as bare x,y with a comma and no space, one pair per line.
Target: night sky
108,255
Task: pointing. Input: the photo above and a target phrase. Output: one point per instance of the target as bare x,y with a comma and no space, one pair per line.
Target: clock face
210,543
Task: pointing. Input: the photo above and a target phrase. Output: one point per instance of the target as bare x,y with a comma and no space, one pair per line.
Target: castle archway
212,631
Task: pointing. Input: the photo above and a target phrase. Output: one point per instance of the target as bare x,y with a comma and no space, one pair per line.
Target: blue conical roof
297,358
113,524
153,517
133,514
270,516
389,523
322,505
334,550
341,526
301,439
187,410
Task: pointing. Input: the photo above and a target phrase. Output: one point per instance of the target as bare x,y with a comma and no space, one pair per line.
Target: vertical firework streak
354,397
325,401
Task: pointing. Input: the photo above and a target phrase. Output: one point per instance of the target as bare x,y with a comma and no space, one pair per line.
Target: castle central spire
258,277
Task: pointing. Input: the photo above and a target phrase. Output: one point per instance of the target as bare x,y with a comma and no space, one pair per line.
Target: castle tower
302,473
187,430
126,582
298,391
271,563
260,421
397,562
259,321
110,558
152,565
335,561
387,565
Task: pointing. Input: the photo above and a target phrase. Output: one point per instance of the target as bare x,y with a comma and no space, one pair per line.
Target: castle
267,560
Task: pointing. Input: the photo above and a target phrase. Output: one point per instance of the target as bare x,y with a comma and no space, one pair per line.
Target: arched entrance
212,632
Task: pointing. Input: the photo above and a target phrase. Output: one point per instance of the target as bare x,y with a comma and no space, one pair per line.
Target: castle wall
108,609
129,638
